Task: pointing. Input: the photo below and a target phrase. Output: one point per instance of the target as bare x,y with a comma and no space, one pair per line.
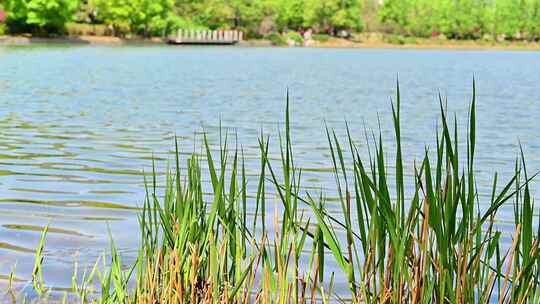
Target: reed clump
437,245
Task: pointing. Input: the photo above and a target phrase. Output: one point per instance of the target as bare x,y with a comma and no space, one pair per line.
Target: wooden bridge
206,37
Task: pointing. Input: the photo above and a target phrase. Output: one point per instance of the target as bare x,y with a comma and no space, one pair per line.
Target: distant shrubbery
256,18
463,19
455,19
39,16
87,29
321,37
143,17
398,39
296,37
276,39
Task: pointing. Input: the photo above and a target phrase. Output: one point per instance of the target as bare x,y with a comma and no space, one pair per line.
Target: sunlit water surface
79,125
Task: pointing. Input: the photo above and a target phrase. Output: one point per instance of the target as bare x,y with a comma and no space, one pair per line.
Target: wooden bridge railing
207,37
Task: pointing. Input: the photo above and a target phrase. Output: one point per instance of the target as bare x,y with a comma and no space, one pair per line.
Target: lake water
78,125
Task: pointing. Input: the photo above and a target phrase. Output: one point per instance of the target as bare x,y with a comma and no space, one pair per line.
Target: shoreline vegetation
364,41
330,23
402,234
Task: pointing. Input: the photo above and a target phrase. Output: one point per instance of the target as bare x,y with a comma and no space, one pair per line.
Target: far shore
366,41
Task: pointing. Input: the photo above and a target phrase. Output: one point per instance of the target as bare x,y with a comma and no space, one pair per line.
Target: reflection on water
79,126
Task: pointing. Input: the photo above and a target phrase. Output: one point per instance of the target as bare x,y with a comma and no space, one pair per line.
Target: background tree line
460,19
159,17
469,19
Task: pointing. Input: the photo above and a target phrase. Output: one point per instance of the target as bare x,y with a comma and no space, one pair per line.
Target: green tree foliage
510,17
151,17
249,14
323,16
229,13
145,17
394,13
290,14
40,15
458,19
116,13
332,15
532,25
463,18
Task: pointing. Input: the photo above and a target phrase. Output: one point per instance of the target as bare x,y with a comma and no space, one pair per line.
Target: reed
434,246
